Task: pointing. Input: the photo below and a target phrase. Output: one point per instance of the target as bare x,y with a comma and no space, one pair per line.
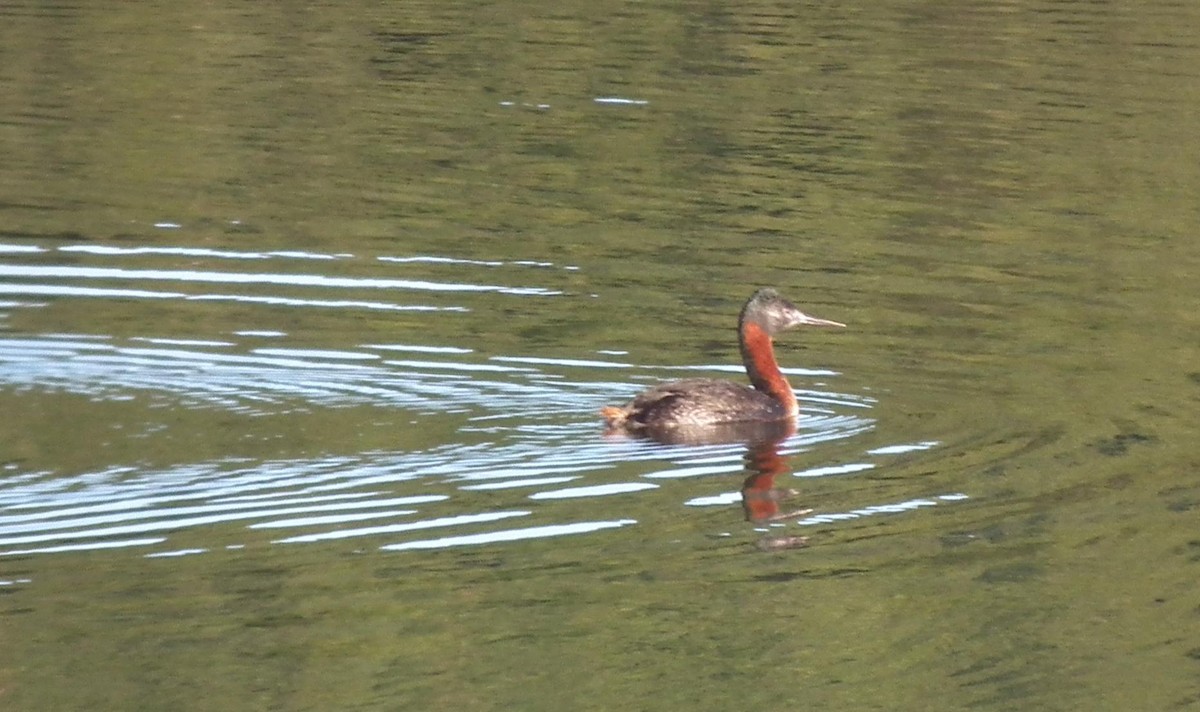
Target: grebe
703,402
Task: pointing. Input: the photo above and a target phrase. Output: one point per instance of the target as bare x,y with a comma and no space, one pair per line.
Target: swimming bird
704,402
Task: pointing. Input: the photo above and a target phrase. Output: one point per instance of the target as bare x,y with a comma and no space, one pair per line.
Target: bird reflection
761,498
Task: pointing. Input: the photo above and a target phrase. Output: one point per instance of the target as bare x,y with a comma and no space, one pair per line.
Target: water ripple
256,278
213,372
539,459
330,498
541,532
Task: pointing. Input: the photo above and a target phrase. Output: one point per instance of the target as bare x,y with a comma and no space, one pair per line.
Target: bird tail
614,416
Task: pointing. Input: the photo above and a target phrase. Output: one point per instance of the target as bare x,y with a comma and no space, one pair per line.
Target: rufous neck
758,356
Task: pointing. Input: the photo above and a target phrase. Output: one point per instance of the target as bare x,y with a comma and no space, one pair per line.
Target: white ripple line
175,553
304,280
223,515
594,490
85,547
876,509
393,528
509,535
329,519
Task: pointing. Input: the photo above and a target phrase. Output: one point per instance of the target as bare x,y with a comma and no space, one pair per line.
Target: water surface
305,319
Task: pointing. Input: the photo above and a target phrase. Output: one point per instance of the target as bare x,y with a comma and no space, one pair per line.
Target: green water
997,198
